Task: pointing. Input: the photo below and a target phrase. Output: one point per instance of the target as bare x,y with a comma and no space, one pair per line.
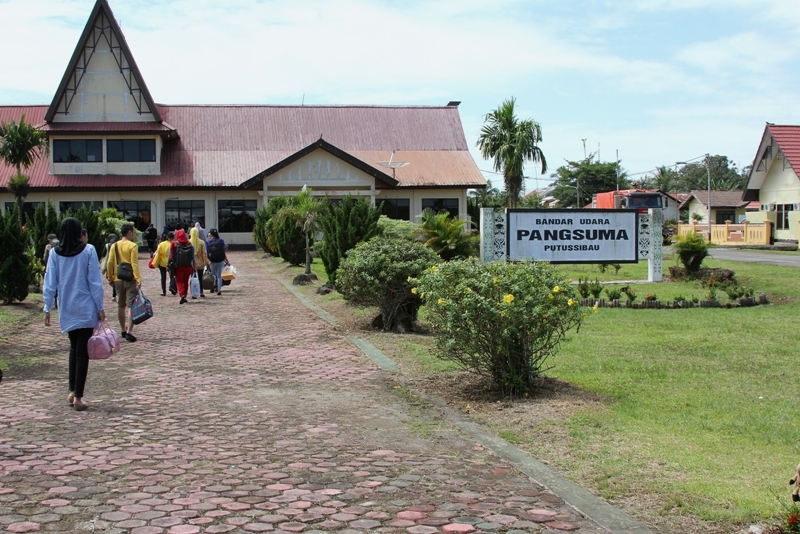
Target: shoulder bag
124,269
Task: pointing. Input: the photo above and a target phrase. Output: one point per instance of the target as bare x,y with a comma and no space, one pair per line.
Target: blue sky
657,80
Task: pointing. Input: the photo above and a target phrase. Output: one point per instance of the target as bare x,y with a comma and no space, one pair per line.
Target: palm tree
305,210
511,143
21,144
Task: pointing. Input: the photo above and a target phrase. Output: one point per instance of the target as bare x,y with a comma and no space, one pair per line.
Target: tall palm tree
511,142
21,144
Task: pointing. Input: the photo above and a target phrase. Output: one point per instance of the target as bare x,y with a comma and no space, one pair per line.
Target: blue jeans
216,270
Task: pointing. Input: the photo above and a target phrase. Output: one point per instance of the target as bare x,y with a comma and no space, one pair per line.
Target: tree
511,142
15,268
344,225
590,176
724,176
665,179
447,236
21,144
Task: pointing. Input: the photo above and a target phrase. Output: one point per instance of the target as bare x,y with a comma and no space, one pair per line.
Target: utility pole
708,170
617,169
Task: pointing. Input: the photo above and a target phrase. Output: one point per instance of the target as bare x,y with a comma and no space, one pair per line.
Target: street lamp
707,162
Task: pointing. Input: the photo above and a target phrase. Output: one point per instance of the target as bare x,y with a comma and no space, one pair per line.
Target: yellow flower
414,290
508,299
584,315
408,279
550,296
556,289
594,308
441,301
570,302
502,314
496,280
468,290
434,268
422,295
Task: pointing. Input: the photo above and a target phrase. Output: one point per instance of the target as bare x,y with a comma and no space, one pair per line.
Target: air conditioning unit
772,206
796,207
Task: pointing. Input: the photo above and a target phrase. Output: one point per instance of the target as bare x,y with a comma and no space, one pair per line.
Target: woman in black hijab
73,274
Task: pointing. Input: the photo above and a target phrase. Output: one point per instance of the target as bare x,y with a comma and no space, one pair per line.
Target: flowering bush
501,321
651,296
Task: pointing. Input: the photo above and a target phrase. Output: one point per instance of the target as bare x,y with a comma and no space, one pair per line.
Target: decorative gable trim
101,25
334,151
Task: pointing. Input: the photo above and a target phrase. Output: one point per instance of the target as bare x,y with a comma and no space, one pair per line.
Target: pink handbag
104,342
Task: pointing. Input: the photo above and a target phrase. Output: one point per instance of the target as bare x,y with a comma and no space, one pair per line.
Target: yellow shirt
128,253
161,258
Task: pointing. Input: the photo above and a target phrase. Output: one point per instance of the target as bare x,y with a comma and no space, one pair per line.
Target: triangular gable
778,143
114,90
334,151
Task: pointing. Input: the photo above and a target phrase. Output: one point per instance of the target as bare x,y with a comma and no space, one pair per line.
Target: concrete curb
588,504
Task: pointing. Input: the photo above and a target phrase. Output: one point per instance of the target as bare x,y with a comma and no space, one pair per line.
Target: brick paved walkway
246,413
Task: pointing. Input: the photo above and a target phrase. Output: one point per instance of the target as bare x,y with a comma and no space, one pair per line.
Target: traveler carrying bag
103,343
184,255
124,270
229,273
216,251
141,309
194,285
209,282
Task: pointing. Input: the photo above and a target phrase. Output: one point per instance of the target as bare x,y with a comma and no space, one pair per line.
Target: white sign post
572,236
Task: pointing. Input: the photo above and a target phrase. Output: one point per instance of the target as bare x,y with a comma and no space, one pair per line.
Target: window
128,150
439,204
27,208
77,150
236,215
397,208
135,211
96,205
725,215
185,212
783,216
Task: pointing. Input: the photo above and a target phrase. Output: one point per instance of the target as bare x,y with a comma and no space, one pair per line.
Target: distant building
112,145
725,206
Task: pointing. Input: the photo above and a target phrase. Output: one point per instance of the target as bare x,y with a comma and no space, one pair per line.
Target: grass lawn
700,405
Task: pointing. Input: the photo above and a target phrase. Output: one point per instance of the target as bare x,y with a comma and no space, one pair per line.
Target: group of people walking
72,275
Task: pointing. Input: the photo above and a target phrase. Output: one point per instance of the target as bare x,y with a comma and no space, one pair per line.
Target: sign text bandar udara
572,236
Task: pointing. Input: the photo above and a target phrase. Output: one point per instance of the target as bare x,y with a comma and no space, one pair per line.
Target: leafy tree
304,208
511,142
532,200
488,197
45,221
90,221
344,225
378,273
289,238
260,234
591,176
15,268
665,179
446,235
724,176
266,224
397,229
21,144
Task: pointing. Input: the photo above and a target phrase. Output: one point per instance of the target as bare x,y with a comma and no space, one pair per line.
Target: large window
236,215
96,205
27,208
185,213
397,208
77,150
131,150
439,204
135,211
725,215
783,216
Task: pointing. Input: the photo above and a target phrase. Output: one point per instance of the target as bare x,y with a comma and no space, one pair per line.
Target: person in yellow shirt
126,250
161,260
200,256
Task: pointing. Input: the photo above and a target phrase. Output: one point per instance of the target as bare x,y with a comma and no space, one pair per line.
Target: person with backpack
73,274
122,270
217,257
181,254
151,235
200,256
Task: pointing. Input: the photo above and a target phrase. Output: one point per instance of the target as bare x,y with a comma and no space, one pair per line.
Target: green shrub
595,288
692,249
289,239
583,288
630,293
397,229
736,292
501,321
447,235
260,233
344,225
614,293
15,269
378,273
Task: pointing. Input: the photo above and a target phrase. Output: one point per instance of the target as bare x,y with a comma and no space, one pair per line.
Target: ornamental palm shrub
15,269
90,221
447,235
692,249
260,229
344,225
501,321
45,221
378,273
289,238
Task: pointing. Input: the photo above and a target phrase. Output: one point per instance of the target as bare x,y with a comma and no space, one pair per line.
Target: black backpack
216,251
184,255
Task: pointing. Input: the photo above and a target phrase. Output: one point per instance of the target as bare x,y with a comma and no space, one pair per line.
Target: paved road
753,256
246,413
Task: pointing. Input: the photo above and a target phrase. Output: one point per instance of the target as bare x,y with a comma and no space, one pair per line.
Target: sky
655,81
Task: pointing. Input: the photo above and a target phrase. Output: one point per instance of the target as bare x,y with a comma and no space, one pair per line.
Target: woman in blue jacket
73,273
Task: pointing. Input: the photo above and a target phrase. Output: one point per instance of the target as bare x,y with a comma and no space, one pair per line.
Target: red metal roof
224,146
788,138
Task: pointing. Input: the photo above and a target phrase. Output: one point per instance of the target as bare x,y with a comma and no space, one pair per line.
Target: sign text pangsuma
573,236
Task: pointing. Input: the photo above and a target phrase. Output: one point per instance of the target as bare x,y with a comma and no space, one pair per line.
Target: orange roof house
112,145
